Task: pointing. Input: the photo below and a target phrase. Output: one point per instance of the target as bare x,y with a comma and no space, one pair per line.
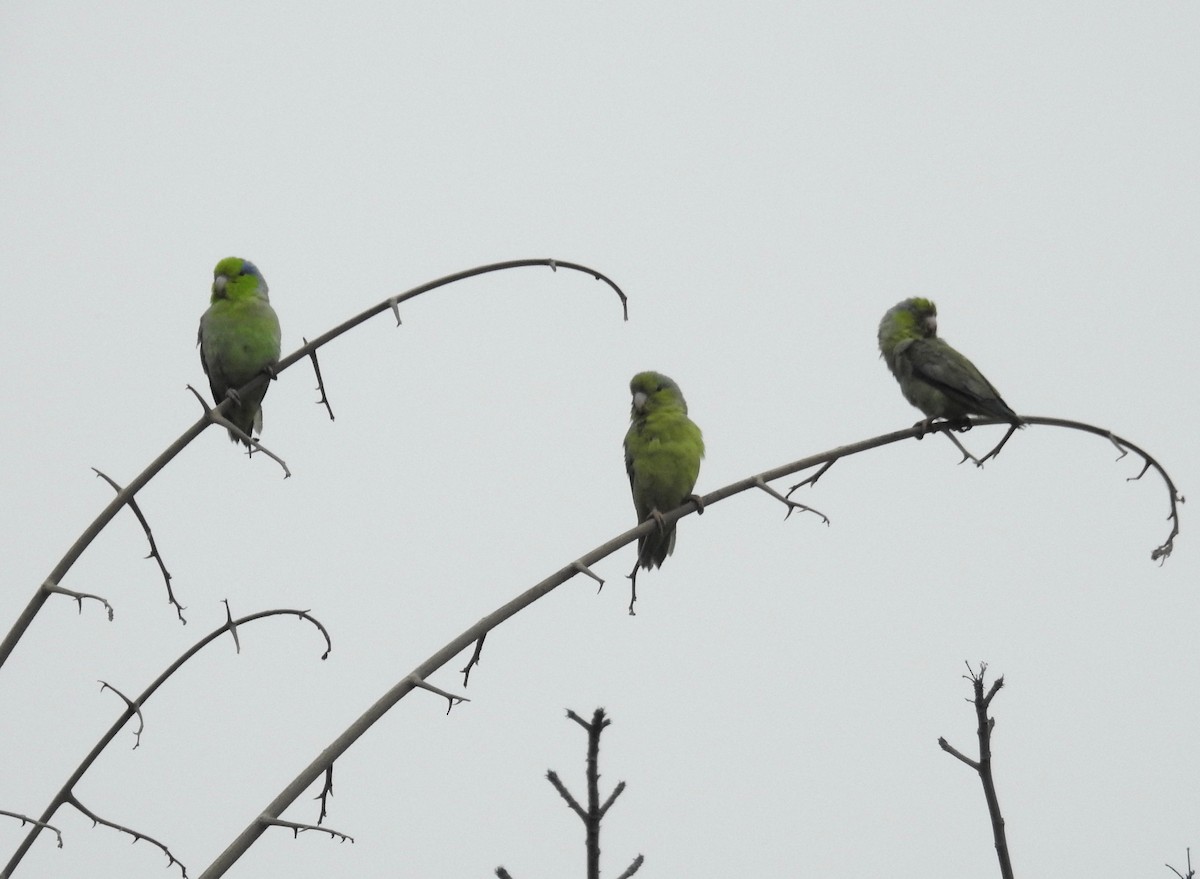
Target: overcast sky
764,180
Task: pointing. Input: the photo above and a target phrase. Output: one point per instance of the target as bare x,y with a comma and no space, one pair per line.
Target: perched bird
238,339
933,376
663,449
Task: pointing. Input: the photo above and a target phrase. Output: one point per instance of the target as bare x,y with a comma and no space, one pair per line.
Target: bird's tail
654,547
248,418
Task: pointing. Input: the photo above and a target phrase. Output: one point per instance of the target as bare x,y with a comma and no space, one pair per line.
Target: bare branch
232,626
983,766
476,633
612,798
553,778
25,819
297,829
996,451
465,671
79,597
584,569
320,381
791,505
137,835
449,697
216,416
966,456
812,480
132,706
1190,872
953,751
154,553
325,794
101,521
633,867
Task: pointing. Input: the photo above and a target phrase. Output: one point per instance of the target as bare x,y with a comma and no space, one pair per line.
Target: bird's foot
695,498
923,426
658,520
232,394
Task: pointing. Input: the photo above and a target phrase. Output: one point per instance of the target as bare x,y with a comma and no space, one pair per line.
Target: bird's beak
639,401
219,283
931,325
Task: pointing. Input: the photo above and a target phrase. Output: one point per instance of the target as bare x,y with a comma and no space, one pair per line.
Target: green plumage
238,339
934,377
663,449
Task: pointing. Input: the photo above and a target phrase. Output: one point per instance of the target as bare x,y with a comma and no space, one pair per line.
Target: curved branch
137,835
124,496
154,553
1124,446
476,633
133,708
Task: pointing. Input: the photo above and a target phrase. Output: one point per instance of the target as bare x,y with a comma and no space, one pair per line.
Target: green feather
238,338
663,449
933,376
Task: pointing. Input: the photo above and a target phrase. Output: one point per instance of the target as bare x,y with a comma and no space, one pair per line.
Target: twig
120,828
297,829
154,553
216,417
320,381
584,569
325,794
79,597
594,814
132,706
812,480
633,867
25,819
449,697
474,660
983,766
1189,875
791,505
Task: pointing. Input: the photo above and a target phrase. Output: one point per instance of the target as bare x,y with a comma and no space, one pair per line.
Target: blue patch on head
249,268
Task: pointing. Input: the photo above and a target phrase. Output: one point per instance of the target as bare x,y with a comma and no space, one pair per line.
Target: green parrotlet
663,449
238,339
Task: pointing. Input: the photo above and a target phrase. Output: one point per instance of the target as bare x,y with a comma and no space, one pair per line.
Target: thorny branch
25,819
132,709
476,633
154,553
137,835
325,794
216,417
132,706
465,671
51,583
450,698
316,365
297,829
55,589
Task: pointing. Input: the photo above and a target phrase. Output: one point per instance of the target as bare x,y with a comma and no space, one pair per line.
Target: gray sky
764,180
